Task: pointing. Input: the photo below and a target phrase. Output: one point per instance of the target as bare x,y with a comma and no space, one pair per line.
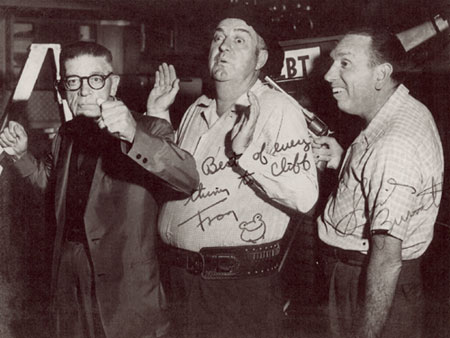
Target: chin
341,107
220,76
345,108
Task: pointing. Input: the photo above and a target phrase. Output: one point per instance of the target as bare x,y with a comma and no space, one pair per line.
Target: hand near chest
243,130
117,120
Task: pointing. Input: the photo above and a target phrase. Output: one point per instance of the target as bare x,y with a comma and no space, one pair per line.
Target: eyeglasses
95,81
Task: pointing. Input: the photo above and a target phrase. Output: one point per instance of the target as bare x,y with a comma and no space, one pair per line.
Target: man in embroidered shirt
380,220
256,168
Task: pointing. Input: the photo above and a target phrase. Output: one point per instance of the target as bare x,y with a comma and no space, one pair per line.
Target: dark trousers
346,296
75,304
241,308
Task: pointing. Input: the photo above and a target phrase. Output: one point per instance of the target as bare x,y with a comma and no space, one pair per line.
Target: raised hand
327,149
242,132
164,92
15,138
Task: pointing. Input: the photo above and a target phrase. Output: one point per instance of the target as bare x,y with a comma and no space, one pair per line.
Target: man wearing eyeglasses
105,169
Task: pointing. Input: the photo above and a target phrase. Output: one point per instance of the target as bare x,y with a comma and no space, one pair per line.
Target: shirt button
138,156
144,160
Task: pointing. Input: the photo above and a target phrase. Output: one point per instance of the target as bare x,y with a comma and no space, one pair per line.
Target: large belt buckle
219,265
194,264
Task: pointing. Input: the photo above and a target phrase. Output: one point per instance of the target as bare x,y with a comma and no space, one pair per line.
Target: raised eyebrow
240,30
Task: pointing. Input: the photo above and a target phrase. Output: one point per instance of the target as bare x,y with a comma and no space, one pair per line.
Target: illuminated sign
298,63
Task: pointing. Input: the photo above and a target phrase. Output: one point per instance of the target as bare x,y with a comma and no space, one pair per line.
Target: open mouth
337,90
221,58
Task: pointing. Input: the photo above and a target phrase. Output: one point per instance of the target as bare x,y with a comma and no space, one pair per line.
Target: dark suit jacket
120,219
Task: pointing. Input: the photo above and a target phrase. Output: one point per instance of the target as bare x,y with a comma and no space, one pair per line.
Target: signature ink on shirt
253,230
295,166
292,144
349,222
246,179
202,193
208,220
277,148
210,167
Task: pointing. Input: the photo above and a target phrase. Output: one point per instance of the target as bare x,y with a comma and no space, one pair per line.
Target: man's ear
263,55
383,74
115,80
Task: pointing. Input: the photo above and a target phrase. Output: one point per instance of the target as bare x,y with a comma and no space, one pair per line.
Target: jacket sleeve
154,150
38,172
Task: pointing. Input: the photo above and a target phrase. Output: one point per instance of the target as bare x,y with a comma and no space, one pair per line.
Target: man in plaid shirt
380,219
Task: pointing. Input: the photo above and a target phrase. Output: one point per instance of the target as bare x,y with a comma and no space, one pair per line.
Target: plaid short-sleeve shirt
391,179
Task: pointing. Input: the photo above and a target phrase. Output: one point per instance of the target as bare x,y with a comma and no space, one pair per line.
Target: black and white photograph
224,168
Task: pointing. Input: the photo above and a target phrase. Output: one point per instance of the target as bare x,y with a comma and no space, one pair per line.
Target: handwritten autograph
210,166
207,221
202,193
246,179
350,221
432,202
277,148
295,166
253,230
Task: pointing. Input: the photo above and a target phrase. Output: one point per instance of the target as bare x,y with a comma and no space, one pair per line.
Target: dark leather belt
349,257
226,262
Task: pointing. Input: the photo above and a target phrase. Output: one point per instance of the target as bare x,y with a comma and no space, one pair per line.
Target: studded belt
226,262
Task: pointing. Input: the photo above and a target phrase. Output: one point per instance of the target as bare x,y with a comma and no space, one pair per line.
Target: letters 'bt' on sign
298,63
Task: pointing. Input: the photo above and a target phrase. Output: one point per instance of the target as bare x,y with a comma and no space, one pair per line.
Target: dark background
178,32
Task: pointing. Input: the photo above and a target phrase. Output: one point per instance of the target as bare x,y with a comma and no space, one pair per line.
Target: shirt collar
378,124
207,105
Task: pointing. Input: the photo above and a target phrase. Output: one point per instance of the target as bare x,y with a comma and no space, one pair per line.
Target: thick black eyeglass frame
88,78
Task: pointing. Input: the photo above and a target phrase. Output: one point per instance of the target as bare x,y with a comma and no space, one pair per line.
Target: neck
384,94
229,91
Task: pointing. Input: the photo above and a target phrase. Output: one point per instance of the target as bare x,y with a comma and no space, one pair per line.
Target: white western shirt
225,211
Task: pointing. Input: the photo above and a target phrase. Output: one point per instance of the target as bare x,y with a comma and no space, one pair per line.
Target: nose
331,74
85,90
225,45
